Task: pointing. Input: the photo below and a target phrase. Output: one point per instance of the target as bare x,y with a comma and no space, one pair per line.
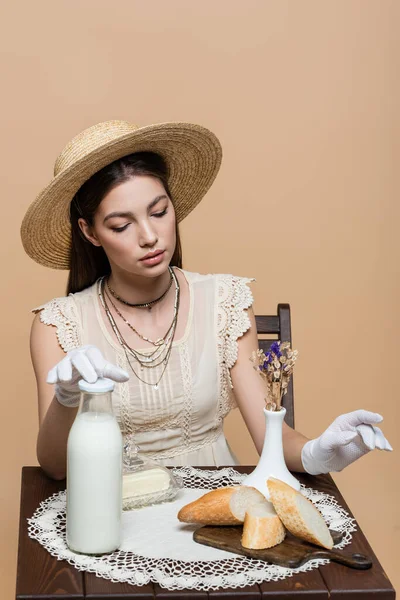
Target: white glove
86,362
349,437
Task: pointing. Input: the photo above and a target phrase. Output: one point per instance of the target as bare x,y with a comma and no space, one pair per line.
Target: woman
177,343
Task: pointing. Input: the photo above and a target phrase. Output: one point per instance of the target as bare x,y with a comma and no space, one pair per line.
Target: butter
147,481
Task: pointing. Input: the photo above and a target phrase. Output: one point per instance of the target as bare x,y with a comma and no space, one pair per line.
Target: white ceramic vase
272,461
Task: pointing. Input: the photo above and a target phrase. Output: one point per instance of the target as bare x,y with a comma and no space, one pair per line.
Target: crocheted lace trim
47,526
63,314
123,390
187,381
234,297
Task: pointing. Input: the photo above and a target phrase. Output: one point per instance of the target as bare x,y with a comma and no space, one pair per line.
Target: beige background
304,97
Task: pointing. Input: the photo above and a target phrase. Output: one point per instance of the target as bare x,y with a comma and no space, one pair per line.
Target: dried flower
276,368
270,405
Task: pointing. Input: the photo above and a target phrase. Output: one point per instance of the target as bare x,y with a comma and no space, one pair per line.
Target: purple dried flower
275,348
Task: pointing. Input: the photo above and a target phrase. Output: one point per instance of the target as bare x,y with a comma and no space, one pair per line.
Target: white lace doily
157,548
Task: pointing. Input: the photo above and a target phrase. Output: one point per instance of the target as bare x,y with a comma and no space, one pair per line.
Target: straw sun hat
192,154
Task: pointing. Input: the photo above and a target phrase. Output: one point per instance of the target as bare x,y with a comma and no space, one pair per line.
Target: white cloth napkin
155,532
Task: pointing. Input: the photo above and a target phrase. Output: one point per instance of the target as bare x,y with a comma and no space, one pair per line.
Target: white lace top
180,423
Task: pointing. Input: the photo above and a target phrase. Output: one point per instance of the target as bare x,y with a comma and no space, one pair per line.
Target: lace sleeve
233,298
62,313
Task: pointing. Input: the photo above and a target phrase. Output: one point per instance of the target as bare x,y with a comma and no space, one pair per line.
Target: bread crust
284,499
211,509
261,532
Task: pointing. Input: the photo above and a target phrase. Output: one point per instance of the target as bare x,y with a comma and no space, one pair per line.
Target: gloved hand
349,437
86,362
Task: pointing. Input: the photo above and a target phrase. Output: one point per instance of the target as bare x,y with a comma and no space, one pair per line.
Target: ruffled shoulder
62,313
233,298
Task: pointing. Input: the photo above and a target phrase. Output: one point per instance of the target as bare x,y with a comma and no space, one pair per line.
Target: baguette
298,514
225,506
262,527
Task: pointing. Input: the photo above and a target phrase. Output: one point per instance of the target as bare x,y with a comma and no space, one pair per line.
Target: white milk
94,483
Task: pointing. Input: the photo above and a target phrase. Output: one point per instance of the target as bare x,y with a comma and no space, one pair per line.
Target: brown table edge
23,531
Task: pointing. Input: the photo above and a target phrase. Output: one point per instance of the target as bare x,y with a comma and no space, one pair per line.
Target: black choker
145,304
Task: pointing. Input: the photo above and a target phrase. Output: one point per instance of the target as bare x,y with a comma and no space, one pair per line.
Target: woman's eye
160,214
118,229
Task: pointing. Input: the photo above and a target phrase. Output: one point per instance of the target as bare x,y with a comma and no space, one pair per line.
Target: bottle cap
100,386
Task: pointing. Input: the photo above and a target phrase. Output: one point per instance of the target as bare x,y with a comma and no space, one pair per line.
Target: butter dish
144,481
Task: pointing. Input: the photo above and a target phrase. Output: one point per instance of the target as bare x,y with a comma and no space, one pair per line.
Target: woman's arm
250,392
55,420
57,411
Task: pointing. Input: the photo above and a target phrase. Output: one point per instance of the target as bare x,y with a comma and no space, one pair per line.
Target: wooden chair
280,325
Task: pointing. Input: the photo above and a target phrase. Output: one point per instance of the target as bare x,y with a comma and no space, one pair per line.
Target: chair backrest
280,325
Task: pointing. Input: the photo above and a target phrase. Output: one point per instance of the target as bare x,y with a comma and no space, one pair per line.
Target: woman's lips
153,260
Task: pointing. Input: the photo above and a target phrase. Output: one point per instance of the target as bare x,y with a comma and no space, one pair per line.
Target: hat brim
193,155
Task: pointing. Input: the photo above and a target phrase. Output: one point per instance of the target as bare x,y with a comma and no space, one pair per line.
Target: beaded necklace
164,347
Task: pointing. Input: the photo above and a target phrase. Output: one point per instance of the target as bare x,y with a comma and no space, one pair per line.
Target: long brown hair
89,262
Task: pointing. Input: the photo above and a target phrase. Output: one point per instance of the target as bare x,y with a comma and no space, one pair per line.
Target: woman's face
134,219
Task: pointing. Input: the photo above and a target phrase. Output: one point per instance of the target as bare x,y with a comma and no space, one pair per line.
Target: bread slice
262,527
298,514
225,506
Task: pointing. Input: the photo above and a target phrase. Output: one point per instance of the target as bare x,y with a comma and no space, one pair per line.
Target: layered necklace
148,305
163,346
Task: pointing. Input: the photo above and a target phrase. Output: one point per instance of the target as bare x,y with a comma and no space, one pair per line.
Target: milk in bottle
94,473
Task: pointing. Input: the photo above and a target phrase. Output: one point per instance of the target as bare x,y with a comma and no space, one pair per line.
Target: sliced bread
225,506
262,527
298,514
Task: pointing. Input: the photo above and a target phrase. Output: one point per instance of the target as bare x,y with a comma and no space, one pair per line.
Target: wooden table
40,576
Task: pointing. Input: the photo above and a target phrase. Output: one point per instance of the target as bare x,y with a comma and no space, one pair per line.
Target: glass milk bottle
94,473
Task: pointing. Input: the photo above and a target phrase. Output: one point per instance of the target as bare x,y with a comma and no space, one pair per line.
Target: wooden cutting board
292,552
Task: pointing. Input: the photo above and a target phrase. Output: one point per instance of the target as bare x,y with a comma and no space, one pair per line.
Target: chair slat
267,324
